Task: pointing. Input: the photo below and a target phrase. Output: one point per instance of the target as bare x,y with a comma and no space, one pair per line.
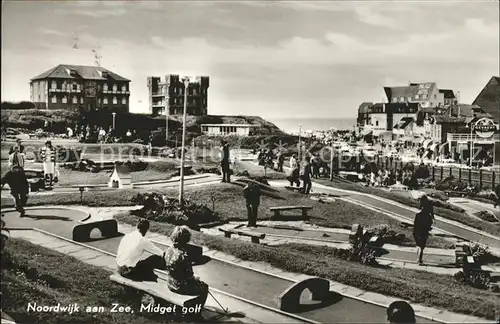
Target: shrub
387,234
487,216
476,279
209,170
168,210
481,253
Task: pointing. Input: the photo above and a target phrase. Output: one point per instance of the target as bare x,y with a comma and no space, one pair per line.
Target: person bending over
423,225
181,278
131,258
19,187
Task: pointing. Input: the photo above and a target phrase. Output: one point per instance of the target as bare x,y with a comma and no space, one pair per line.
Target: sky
272,59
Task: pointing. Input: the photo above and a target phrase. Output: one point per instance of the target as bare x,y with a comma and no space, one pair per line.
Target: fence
484,179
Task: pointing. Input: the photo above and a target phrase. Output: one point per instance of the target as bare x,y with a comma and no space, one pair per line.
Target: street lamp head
186,81
113,113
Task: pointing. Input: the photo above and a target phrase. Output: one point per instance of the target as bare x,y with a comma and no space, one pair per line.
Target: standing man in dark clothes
306,176
315,167
19,187
252,199
281,161
18,143
225,161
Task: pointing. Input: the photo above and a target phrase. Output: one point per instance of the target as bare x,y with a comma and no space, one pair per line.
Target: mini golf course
243,282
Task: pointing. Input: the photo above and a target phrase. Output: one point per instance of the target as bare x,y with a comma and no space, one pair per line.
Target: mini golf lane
332,237
459,231
242,282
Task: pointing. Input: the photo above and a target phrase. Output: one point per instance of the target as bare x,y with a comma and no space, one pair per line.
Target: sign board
485,127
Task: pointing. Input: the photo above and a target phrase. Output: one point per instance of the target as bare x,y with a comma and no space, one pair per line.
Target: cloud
94,12
368,16
48,31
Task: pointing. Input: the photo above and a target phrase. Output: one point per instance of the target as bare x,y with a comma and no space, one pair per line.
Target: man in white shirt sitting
131,258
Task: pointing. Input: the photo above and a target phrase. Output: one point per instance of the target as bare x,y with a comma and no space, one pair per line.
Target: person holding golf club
181,278
422,226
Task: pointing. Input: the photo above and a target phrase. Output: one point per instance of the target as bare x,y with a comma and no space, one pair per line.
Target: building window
53,85
75,86
115,87
124,87
195,92
105,100
65,99
99,101
435,96
115,100
402,99
75,100
105,87
376,123
81,100
409,98
54,99
124,101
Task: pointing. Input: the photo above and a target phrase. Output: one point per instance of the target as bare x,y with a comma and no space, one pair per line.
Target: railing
475,138
159,104
158,94
65,90
484,179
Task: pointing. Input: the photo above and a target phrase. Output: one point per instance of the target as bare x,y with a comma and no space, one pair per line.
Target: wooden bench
277,210
256,237
158,291
108,228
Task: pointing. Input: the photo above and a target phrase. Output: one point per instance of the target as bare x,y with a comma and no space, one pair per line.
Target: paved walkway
194,180
405,213
473,206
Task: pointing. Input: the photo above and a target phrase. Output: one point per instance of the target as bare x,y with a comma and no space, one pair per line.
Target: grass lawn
230,205
33,274
429,289
443,212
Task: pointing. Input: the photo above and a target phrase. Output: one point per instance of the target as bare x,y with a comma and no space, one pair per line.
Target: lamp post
181,187
300,143
114,118
471,144
166,125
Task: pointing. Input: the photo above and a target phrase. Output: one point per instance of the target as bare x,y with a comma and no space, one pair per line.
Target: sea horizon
291,125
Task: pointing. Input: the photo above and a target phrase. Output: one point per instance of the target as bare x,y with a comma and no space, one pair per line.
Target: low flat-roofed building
228,129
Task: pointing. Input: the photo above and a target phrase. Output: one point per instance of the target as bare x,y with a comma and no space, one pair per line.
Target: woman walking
422,226
48,156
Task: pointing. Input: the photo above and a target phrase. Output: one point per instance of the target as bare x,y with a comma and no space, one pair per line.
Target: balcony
65,90
465,138
158,94
159,104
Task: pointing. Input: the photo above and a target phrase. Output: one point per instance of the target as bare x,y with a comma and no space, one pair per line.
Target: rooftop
448,94
63,71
